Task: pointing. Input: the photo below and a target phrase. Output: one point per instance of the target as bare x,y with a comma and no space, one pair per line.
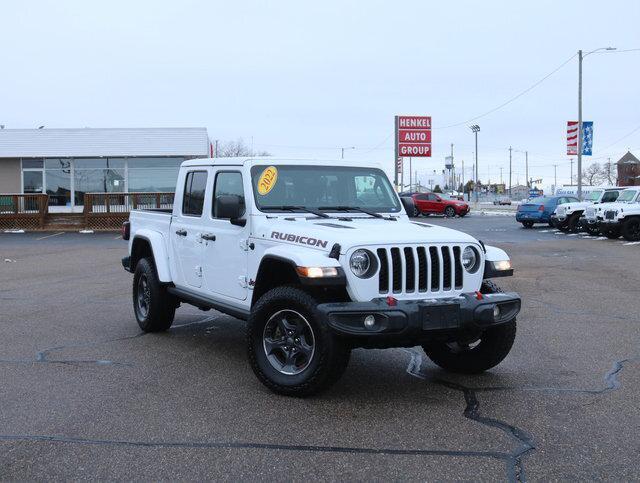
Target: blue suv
539,210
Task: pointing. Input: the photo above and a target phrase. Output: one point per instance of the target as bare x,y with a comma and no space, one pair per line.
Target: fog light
369,321
496,312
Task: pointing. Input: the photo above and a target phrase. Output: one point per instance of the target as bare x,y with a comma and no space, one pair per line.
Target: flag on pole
572,137
587,138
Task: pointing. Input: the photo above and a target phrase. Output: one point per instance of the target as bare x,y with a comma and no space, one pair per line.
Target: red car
432,203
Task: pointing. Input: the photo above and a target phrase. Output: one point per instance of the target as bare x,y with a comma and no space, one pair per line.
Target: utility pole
453,171
510,149
526,163
609,171
571,160
500,174
463,177
555,178
580,125
216,149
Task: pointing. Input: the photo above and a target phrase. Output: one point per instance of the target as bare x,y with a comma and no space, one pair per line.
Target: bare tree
238,148
593,175
610,173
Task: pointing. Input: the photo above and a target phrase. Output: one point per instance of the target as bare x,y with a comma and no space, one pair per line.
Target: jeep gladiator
318,257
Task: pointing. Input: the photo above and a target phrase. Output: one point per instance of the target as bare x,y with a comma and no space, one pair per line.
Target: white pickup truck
622,217
319,257
570,216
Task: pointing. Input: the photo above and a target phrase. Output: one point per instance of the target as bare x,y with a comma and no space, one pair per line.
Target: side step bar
207,303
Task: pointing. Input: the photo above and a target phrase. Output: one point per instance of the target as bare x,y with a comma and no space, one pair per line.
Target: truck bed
152,219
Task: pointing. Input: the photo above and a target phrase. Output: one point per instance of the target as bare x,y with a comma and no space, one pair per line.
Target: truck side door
186,226
225,258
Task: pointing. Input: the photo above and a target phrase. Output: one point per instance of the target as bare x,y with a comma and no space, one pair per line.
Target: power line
491,111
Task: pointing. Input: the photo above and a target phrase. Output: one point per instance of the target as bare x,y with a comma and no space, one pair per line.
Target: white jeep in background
622,217
319,257
569,216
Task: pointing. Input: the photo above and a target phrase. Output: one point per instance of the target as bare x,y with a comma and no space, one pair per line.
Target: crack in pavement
42,356
515,468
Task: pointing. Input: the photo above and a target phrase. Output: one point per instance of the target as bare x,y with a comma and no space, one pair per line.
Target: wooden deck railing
23,211
110,210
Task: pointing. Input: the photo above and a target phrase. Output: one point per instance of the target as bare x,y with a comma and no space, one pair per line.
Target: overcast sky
304,78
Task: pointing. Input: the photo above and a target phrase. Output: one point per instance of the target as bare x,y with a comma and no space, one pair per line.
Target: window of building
194,189
228,183
153,174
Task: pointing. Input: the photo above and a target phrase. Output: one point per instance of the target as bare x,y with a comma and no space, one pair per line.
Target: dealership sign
413,134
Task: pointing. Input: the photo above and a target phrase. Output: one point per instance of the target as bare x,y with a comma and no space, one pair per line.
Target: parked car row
426,204
611,212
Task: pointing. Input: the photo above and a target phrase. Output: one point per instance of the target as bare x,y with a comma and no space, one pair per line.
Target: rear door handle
208,236
181,232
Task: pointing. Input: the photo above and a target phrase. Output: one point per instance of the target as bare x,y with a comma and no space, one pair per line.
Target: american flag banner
587,138
572,138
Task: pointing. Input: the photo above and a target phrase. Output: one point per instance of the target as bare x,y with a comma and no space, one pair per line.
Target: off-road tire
527,224
613,234
449,212
495,343
592,229
552,224
631,229
573,223
330,357
161,306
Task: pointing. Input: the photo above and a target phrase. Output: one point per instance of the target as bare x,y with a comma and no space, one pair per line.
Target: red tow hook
392,301
479,295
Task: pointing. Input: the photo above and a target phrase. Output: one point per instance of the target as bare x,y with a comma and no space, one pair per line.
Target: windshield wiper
296,208
356,208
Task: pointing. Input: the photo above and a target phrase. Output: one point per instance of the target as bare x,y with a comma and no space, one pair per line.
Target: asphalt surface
85,395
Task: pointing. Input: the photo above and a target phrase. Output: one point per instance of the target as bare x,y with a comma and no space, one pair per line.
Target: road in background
85,394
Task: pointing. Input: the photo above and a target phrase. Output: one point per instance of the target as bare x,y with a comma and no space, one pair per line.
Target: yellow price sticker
267,180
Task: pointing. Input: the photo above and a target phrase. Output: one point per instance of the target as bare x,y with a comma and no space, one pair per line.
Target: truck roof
266,160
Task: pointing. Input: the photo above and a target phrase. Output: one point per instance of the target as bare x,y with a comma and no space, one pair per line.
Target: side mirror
231,207
408,204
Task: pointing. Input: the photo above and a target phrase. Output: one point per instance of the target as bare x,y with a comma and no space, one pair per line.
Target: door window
228,183
194,189
610,196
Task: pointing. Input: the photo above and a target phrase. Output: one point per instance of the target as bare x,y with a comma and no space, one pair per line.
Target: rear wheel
416,212
291,349
477,352
527,224
631,229
449,212
154,307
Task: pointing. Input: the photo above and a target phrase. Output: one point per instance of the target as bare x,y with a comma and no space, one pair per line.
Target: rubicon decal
303,240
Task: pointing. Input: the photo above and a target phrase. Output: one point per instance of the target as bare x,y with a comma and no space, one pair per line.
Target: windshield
328,187
627,195
594,195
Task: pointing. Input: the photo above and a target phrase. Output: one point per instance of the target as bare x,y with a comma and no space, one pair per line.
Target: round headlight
469,259
360,263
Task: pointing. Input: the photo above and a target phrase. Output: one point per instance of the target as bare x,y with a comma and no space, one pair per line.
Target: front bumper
416,320
608,225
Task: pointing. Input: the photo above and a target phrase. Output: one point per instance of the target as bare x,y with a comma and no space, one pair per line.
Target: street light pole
475,129
580,58
580,124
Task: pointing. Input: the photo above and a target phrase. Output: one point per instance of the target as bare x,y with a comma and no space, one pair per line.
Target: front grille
609,214
420,269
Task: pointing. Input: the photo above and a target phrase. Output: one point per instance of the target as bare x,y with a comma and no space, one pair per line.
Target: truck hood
323,233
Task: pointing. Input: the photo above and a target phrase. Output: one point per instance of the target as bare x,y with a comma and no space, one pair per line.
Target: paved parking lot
84,394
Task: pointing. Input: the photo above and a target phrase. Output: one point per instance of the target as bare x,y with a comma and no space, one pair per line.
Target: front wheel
449,212
527,224
154,307
290,347
631,229
416,212
477,353
612,234
592,229
573,224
